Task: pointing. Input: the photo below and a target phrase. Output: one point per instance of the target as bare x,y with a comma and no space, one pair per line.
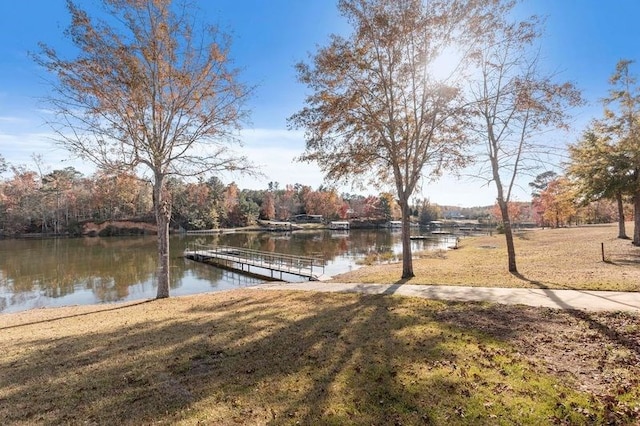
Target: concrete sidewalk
563,299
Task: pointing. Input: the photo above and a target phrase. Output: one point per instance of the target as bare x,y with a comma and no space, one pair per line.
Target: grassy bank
260,357
569,258
266,357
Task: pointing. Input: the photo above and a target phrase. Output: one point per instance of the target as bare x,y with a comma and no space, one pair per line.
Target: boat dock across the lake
269,265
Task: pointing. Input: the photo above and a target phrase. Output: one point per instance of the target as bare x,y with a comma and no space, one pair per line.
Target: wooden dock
210,231
260,263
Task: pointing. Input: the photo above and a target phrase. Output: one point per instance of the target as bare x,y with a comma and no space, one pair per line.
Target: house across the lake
308,218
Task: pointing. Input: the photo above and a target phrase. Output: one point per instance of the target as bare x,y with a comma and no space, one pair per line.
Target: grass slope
265,357
260,357
568,258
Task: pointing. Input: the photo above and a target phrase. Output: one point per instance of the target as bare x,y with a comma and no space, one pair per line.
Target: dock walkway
264,264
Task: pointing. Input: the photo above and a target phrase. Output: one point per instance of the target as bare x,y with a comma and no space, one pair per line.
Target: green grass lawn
267,357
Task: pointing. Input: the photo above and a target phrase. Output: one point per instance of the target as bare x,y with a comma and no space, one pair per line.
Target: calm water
62,272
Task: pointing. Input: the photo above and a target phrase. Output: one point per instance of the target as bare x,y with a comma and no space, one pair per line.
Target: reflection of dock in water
450,240
339,225
264,264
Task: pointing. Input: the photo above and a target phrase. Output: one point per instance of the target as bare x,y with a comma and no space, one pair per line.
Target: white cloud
273,150
18,149
10,119
277,164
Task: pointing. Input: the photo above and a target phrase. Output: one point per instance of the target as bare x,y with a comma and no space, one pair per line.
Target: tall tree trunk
636,218
162,209
503,204
407,260
508,234
622,231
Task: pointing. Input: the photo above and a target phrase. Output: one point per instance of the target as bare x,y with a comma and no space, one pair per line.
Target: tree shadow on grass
630,259
589,318
259,358
82,314
249,362
600,324
542,285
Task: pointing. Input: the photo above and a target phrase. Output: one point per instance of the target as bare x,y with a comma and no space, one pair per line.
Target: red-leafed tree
23,202
268,208
326,203
514,208
556,202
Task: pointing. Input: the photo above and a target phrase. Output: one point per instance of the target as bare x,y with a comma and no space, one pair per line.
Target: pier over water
269,265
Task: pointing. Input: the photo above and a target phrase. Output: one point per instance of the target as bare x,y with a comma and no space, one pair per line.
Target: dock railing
306,266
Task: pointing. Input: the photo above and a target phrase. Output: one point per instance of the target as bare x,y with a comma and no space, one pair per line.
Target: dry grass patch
568,258
258,357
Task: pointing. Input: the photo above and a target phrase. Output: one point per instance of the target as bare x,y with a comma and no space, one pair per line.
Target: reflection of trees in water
201,271
57,267
108,267
215,276
302,243
106,289
324,243
368,242
238,280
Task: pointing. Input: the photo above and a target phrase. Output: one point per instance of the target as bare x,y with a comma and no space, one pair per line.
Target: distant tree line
59,202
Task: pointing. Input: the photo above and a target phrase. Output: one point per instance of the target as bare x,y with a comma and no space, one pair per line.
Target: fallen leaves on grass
259,357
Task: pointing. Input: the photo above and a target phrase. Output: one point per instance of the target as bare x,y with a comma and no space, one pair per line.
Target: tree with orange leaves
556,203
156,91
377,113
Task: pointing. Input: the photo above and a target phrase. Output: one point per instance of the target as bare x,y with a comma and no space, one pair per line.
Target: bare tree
376,113
514,102
150,87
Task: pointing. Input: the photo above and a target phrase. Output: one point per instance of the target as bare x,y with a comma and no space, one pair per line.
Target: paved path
564,299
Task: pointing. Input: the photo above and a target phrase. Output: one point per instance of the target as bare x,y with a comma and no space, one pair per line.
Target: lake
38,273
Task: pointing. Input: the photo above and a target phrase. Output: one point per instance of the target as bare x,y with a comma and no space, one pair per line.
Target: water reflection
58,272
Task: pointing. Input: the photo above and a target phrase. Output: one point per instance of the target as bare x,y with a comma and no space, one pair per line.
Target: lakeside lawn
565,258
278,357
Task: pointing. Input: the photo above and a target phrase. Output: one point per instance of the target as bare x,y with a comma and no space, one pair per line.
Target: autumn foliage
59,202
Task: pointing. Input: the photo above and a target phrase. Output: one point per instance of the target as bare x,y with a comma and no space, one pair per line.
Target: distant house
453,215
308,218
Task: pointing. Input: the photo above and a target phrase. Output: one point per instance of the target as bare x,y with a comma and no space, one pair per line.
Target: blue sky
583,41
